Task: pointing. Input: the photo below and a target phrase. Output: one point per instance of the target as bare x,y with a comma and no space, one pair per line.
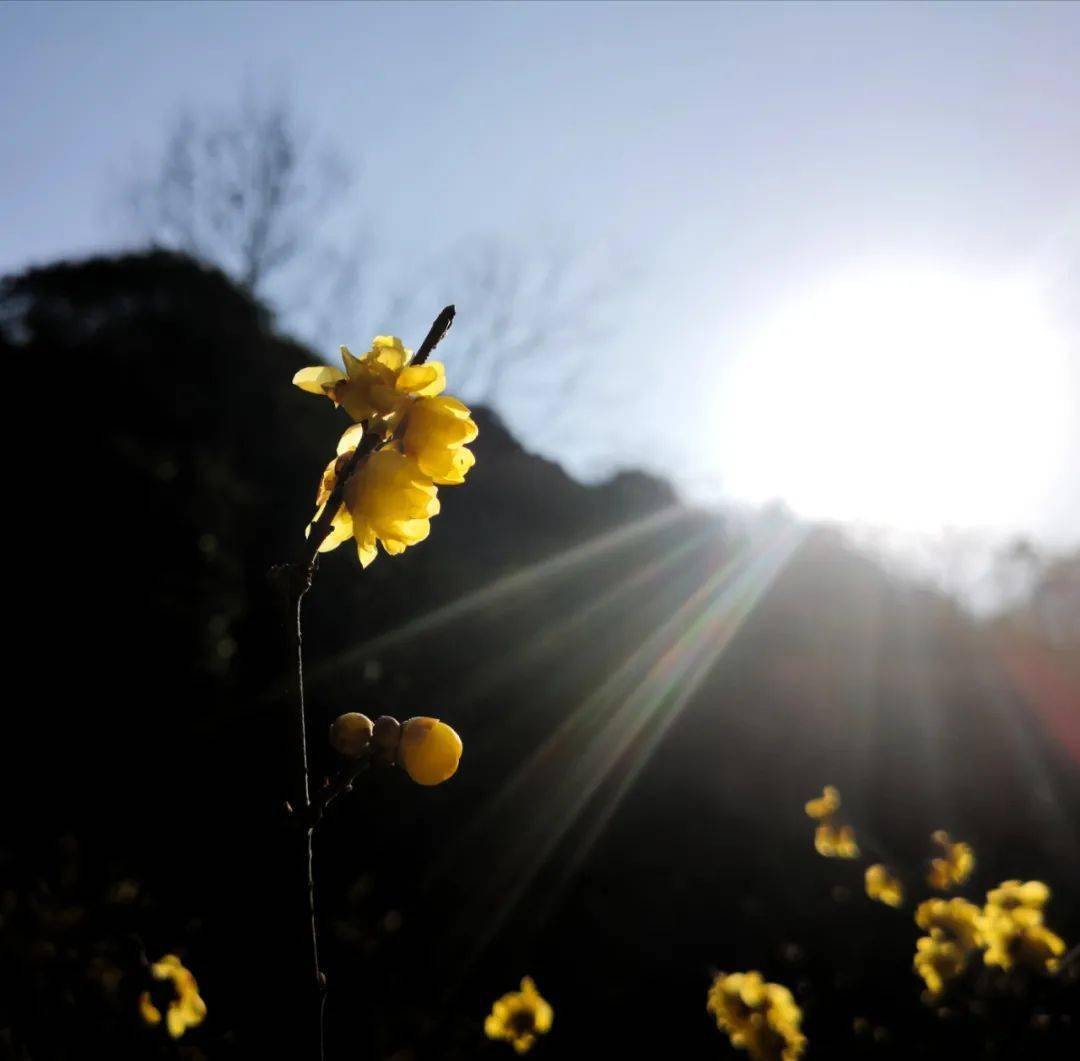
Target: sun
911,400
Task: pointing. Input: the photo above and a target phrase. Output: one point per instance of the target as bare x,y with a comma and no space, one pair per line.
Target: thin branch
338,785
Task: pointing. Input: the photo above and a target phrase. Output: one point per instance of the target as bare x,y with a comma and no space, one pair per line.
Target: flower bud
387,736
430,750
350,734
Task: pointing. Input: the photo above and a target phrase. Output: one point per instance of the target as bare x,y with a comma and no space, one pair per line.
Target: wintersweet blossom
377,386
954,930
884,886
186,1009
518,1017
825,805
831,839
388,499
1014,930
955,865
759,1017
835,841
436,434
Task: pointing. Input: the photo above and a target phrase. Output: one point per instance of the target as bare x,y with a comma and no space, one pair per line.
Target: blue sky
737,155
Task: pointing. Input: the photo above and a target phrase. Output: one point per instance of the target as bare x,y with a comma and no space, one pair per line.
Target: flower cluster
831,839
518,1017
185,1009
759,1017
954,933
1013,927
956,864
421,435
1008,930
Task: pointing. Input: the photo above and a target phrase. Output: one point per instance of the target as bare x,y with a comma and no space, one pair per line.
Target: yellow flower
429,750
955,930
378,385
1012,896
883,886
759,1017
436,434
835,841
825,805
388,500
955,865
519,1017
186,1009
938,962
830,839
1014,929
953,918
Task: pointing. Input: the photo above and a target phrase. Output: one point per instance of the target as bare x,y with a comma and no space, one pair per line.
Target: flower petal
317,379
424,381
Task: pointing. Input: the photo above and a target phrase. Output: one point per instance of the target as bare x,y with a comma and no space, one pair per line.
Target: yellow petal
388,350
423,381
366,551
317,379
351,439
352,364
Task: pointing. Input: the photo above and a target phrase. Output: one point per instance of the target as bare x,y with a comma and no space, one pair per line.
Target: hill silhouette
646,698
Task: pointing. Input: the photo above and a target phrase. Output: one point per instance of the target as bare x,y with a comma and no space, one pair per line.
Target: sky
815,206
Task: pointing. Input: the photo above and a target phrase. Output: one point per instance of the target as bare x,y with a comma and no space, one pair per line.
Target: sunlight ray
555,634
507,585
618,725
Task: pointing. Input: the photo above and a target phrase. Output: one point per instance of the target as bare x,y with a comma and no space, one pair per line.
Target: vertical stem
320,981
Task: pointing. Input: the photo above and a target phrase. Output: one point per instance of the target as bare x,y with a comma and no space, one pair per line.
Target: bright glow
916,401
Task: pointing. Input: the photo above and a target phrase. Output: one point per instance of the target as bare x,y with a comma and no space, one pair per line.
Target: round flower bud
386,737
350,734
430,750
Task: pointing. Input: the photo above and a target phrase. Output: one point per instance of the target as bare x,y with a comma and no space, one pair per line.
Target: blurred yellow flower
951,918
955,865
388,500
830,839
429,750
186,1010
759,1017
1014,929
378,385
955,930
835,841
938,962
519,1017
1013,896
825,805
884,886
436,433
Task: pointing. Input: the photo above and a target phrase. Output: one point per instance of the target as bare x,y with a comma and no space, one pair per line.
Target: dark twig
338,785
440,326
321,527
